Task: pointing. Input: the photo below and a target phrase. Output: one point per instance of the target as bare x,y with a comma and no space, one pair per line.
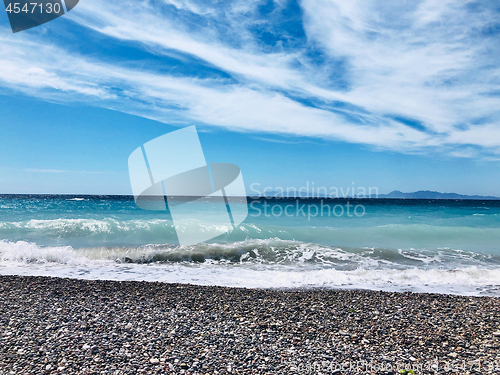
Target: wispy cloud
36,170
362,72
190,6
429,62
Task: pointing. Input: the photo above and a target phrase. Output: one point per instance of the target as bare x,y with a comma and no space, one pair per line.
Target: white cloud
190,6
487,135
421,62
400,64
208,101
38,170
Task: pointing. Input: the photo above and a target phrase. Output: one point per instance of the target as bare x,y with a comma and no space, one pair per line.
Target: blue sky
395,95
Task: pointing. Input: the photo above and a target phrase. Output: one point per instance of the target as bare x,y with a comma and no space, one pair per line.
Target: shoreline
74,326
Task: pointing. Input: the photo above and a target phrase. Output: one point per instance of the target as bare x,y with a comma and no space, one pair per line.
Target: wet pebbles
63,326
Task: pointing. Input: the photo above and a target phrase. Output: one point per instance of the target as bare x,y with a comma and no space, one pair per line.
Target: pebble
64,326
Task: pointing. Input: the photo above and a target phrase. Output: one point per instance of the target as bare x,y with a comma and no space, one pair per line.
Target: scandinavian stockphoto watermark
311,190
309,201
170,173
25,14
395,366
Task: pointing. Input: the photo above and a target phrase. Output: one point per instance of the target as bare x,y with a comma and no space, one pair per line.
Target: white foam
28,259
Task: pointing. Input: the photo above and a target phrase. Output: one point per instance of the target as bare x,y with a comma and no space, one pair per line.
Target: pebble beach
69,326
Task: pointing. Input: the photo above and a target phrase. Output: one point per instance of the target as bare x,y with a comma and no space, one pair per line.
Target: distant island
427,194
340,193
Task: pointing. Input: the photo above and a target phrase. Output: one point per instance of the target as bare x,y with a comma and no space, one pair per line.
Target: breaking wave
270,263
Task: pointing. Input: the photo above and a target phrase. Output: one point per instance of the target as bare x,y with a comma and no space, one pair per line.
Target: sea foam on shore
269,263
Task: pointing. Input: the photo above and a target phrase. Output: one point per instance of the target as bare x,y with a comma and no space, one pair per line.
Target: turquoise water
444,246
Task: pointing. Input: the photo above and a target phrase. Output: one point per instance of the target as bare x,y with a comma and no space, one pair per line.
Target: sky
394,95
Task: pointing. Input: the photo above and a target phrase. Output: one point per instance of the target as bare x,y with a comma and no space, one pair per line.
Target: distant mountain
427,194
396,194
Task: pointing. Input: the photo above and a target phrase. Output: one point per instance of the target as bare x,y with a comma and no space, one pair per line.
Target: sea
438,246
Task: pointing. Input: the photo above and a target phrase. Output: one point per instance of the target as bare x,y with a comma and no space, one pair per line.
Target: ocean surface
442,246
